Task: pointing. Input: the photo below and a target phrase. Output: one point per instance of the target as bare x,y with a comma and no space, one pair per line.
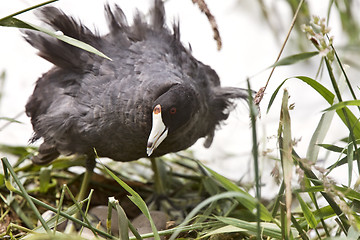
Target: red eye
173,110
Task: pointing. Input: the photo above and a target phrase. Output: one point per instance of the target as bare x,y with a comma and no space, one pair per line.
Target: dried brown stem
204,8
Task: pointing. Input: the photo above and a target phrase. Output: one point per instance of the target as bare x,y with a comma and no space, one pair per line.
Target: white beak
158,131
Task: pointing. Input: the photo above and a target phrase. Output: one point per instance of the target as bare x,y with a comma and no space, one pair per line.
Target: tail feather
71,27
232,92
58,52
222,100
67,56
221,105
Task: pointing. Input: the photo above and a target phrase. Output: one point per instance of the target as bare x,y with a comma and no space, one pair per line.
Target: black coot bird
153,98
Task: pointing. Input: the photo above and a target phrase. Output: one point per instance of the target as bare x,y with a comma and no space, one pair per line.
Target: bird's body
87,102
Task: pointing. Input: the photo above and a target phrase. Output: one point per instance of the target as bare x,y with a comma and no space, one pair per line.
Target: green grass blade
328,197
319,136
136,199
318,212
323,91
307,184
80,210
224,195
273,96
246,200
277,200
60,205
59,236
109,215
19,151
222,230
350,120
294,59
344,73
45,179
283,223
339,163
136,233
27,9
14,22
12,120
67,216
345,114
333,148
268,229
350,158
255,152
122,219
7,167
347,192
58,219
340,105
301,231
48,207
353,233
324,213
285,143
309,216
15,206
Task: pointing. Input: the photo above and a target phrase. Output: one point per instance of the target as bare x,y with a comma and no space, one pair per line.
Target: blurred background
252,34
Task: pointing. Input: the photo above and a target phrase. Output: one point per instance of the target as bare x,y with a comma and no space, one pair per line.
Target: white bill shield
158,131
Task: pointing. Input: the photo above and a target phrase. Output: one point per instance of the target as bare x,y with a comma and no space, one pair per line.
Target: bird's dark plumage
86,102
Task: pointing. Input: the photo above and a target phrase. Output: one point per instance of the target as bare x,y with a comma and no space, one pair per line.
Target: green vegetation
203,203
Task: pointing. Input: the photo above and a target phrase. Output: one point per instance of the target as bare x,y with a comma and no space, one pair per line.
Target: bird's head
170,111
